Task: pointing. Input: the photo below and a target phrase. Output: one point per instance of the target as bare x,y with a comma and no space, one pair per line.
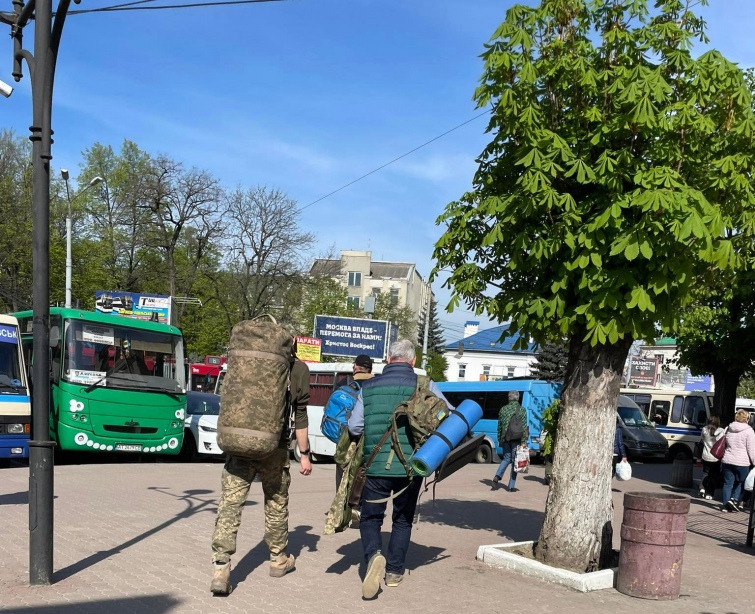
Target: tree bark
577,531
725,396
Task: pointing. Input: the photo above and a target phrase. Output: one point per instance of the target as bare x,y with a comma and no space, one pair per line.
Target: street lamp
69,260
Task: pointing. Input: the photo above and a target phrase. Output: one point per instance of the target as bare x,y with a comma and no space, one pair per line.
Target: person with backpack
273,469
512,433
387,477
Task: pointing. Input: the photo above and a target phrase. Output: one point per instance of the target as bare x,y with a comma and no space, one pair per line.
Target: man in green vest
387,476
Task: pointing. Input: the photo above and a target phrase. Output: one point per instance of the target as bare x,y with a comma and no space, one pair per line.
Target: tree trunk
577,531
725,396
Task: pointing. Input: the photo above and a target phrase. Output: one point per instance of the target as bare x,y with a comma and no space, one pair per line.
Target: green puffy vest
379,403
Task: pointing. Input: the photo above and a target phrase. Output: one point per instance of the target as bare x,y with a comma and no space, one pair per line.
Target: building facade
480,356
365,278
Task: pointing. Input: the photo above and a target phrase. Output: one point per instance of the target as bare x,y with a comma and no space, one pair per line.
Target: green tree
436,367
435,340
614,173
402,318
550,364
746,389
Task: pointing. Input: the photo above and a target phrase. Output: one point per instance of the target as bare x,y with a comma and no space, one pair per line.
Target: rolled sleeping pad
446,437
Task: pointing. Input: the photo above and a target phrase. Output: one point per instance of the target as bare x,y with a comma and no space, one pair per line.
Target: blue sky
303,95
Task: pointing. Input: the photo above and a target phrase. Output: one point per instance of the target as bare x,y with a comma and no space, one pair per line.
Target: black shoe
496,479
732,506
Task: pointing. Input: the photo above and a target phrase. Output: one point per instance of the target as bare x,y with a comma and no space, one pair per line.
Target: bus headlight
75,405
15,429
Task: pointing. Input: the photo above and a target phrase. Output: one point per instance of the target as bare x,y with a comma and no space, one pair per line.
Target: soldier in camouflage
273,472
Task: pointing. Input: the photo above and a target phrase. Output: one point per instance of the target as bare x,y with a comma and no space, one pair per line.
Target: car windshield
122,357
204,405
632,416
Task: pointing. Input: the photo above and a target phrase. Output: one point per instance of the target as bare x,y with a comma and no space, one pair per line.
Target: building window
462,371
352,301
486,371
509,371
394,296
355,279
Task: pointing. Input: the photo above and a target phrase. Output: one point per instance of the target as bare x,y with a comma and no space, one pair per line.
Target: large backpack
255,397
423,412
515,429
338,409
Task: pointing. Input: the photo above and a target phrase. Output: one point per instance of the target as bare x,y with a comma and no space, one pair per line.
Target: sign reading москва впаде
352,336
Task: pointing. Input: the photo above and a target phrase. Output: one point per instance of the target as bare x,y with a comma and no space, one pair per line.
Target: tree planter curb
497,555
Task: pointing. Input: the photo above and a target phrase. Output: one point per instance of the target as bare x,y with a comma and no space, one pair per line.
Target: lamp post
41,64
69,259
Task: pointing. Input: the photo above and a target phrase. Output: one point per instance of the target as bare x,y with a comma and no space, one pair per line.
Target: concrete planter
500,555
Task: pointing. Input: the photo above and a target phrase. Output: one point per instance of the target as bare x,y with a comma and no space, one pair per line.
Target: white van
679,415
324,378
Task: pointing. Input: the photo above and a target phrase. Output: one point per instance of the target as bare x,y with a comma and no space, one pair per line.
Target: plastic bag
750,480
623,471
522,460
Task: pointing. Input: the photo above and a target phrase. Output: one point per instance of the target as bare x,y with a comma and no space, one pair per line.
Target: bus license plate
128,447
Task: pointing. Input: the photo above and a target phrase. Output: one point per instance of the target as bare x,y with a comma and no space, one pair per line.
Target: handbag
522,460
719,448
360,477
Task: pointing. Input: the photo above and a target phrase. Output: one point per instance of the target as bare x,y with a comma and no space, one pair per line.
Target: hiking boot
221,579
393,579
375,571
281,565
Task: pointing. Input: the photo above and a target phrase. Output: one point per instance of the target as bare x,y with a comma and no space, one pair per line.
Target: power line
138,6
379,168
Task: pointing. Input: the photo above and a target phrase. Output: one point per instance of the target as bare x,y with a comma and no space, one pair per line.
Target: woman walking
739,456
711,465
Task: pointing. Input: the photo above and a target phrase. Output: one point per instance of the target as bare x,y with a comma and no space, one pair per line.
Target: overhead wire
381,167
137,6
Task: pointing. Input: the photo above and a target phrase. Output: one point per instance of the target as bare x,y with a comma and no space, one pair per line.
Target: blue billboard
352,336
697,382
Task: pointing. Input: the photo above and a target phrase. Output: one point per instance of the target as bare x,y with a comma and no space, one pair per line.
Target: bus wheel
484,454
188,451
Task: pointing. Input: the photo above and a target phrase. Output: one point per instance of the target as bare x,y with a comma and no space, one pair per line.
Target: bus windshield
10,369
121,357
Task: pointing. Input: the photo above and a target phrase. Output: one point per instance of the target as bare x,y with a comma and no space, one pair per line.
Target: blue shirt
356,420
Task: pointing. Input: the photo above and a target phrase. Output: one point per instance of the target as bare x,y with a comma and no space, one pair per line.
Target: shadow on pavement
351,555
729,529
155,604
194,505
299,539
16,498
511,522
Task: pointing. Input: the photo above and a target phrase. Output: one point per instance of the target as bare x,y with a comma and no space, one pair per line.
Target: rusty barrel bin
653,534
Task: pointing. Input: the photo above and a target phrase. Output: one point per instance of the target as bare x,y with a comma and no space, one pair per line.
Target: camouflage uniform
275,476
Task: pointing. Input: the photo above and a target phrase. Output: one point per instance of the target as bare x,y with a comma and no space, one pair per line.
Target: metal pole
427,325
69,260
41,455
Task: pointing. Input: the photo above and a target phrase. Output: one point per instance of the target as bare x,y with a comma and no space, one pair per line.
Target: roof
489,341
106,318
393,270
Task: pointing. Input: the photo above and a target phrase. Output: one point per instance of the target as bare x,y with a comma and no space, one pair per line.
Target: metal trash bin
653,534
681,473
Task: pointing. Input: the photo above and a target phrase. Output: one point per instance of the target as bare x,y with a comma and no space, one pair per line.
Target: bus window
643,401
659,411
694,410
676,410
455,398
494,401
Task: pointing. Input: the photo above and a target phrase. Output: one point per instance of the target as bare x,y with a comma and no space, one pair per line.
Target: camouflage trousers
238,475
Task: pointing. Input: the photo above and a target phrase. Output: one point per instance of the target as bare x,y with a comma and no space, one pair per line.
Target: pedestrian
512,433
711,465
362,369
738,458
386,476
619,451
273,471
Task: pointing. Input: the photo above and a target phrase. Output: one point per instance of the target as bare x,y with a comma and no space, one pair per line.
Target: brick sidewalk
135,538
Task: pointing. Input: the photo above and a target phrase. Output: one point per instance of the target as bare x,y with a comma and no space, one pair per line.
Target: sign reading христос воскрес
352,336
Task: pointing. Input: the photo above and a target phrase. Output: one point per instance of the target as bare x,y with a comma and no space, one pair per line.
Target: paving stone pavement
135,538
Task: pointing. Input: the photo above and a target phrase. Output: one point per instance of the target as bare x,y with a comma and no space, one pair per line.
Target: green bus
114,382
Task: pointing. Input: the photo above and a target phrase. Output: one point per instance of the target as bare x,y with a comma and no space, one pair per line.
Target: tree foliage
618,174
550,364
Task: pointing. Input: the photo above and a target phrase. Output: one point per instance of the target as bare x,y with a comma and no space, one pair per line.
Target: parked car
201,425
641,439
